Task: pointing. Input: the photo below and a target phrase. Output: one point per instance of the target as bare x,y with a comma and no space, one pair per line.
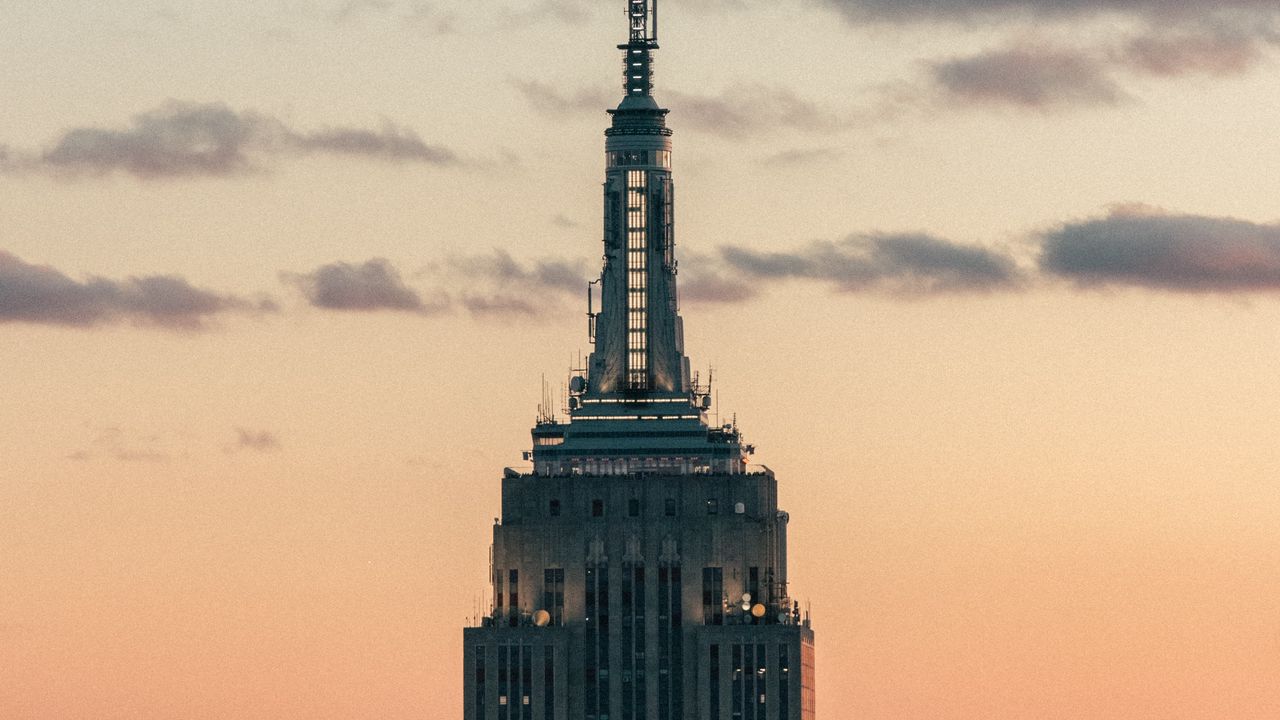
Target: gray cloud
918,10
389,143
499,285
550,100
557,274
499,305
1142,247
902,264
210,139
797,156
258,440
353,9
710,287
744,109
43,295
1212,50
1027,77
373,285
176,139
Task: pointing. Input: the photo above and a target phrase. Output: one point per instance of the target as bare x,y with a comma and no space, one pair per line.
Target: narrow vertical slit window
637,280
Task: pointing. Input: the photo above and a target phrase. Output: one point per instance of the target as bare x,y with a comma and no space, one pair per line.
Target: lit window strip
637,280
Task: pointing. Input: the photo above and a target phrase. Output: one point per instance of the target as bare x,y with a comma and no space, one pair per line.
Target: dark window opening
555,508
713,506
671,507
633,507
597,508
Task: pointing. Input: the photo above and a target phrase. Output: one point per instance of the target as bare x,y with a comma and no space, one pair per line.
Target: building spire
642,19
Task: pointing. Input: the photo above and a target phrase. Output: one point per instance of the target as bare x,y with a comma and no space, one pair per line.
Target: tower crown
636,388
642,19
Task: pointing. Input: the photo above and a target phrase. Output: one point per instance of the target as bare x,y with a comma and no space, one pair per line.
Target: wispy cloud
500,268
256,440
1027,77
40,294
366,287
1216,49
185,139
802,156
497,284
114,443
355,9
1145,247
549,99
905,264
743,109
924,10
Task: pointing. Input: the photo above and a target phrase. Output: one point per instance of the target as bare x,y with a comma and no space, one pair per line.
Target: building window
637,279
670,507
480,682
555,508
713,596
633,507
553,594
784,683
513,595
713,681
548,683
597,508
713,506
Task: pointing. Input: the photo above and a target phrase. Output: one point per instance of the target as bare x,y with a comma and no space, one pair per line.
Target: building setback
639,570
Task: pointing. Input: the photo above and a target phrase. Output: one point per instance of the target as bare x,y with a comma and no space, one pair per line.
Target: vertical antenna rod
642,19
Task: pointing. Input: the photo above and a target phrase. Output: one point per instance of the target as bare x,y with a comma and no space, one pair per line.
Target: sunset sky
992,285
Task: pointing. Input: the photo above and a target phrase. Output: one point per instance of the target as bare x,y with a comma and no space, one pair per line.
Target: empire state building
639,569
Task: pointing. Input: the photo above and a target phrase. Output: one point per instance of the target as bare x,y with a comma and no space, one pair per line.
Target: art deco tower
640,569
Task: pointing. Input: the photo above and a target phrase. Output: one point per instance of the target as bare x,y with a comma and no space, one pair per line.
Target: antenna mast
644,21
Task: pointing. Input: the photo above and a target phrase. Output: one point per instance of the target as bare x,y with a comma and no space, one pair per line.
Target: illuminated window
637,277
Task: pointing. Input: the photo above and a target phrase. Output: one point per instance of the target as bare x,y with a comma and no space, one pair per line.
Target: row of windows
514,682
670,508
628,158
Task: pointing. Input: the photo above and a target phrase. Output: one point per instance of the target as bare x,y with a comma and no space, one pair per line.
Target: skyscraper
639,569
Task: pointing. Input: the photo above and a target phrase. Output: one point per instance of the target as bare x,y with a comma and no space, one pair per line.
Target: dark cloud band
369,286
211,139
1186,253
43,295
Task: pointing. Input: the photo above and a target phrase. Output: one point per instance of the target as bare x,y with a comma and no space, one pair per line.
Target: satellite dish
577,384
542,618
746,597
757,610
782,617
746,606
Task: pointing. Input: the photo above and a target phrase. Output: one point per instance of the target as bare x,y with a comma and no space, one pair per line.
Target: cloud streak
39,294
185,139
926,10
904,264
1027,78
256,440
370,286
1141,247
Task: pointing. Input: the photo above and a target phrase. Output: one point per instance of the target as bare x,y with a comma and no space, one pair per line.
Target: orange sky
1050,495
